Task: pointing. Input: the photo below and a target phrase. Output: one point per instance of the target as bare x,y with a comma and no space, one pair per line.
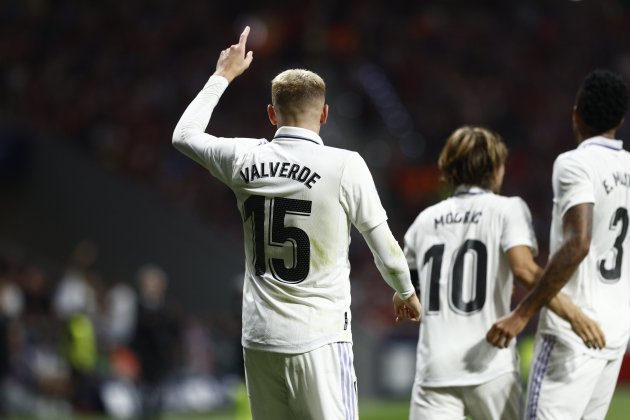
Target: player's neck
587,134
315,127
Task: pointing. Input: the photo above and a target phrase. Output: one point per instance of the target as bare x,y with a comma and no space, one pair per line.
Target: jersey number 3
279,235
435,256
612,275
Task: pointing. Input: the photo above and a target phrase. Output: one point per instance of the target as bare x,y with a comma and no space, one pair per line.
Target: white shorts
320,384
499,398
565,383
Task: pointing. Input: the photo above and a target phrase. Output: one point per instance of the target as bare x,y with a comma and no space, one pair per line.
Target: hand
233,61
505,329
588,330
409,308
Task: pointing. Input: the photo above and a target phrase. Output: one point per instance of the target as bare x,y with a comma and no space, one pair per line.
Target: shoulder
513,201
249,143
351,164
572,165
571,158
427,215
506,204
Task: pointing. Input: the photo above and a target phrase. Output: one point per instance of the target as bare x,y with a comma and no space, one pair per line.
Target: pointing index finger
243,39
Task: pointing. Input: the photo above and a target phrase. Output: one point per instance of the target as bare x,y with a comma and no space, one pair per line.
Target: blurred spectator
74,292
198,349
75,303
120,315
156,340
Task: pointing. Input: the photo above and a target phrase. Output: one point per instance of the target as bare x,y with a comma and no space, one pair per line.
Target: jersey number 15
279,235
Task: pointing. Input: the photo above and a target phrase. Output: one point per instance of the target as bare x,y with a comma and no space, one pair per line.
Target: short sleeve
572,183
518,228
358,195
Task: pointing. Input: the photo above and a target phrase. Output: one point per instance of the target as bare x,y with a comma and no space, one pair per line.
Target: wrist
406,295
226,75
524,311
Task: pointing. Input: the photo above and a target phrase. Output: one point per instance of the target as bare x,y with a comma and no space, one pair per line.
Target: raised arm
527,272
189,136
390,261
577,225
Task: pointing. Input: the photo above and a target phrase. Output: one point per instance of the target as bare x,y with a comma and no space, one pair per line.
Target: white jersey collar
465,190
288,132
602,141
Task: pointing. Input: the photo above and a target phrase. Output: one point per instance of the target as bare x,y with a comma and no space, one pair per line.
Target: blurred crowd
71,342
112,79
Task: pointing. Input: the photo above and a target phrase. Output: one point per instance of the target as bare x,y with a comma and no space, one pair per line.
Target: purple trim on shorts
538,373
343,380
347,384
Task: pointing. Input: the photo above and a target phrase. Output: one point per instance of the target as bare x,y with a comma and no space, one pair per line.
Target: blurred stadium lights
390,107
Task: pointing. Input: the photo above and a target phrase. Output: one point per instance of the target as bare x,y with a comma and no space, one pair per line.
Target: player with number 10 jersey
464,250
458,249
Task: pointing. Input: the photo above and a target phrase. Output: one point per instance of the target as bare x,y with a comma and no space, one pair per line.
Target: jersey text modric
450,218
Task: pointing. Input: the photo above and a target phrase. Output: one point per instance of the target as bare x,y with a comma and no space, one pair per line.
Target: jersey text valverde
289,170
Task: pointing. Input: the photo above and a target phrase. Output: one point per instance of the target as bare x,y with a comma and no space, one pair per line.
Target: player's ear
271,112
620,123
324,117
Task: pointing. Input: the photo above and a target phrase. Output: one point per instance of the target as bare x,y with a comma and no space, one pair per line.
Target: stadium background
91,190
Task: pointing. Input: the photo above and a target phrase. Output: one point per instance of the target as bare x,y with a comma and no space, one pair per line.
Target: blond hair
471,156
296,91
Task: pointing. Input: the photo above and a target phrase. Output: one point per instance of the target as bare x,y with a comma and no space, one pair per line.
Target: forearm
389,259
560,304
560,268
197,116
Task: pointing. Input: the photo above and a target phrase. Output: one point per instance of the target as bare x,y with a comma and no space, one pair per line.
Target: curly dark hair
602,100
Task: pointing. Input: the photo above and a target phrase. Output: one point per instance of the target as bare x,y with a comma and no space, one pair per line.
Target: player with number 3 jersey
298,200
464,251
590,262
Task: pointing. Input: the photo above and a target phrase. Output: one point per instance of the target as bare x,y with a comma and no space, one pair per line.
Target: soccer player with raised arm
589,262
298,199
466,250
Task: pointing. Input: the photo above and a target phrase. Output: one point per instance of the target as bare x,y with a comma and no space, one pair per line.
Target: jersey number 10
435,255
279,235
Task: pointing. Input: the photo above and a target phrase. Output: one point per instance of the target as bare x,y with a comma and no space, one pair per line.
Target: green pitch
398,410
384,410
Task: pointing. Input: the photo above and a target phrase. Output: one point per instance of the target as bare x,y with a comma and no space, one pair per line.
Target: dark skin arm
577,225
527,272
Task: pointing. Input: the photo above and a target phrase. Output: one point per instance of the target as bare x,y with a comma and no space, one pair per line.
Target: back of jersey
458,247
298,199
597,172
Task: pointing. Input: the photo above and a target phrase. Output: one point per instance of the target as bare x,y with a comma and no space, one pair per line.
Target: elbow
178,137
525,276
395,268
580,247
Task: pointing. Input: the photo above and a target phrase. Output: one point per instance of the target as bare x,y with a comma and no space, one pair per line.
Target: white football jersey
598,172
298,199
459,248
